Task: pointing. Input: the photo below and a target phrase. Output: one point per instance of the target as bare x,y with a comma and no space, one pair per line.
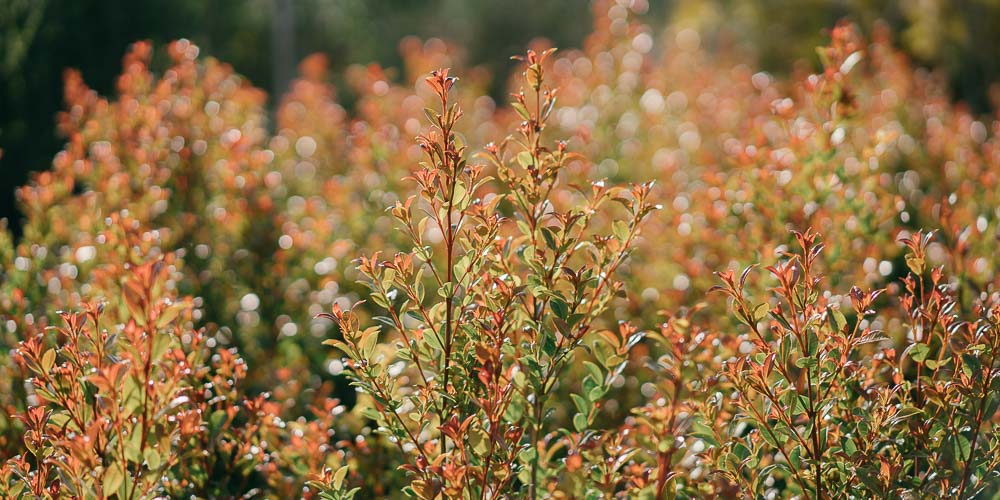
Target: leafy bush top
507,330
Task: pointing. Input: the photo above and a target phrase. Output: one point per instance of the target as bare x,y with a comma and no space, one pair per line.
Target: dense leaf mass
431,294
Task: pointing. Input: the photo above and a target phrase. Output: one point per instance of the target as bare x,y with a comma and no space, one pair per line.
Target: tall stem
535,427
448,166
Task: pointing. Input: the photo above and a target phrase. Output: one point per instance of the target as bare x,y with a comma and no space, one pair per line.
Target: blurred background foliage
263,39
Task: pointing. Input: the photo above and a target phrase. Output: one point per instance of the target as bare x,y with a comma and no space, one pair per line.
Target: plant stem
536,425
450,249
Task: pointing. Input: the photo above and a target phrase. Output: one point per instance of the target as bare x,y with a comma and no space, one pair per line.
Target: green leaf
550,240
962,447
812,342
48,360
971,364
338,477
168,315
849,447
152,458
432,116
741,451
580,422
160,345
620,229
113,479
525,159
596,393
369,338
216,421
795,457
338,344
549,346
918,352
133,447
459,191
837,320
60,420
703,432
807,362
915,264
560,308
521,110
785,348
770,469
433,340
759,313
593,370
781,319
589,384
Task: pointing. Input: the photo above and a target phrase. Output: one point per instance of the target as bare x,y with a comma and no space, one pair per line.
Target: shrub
826,406
520,280
510,331
127,397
